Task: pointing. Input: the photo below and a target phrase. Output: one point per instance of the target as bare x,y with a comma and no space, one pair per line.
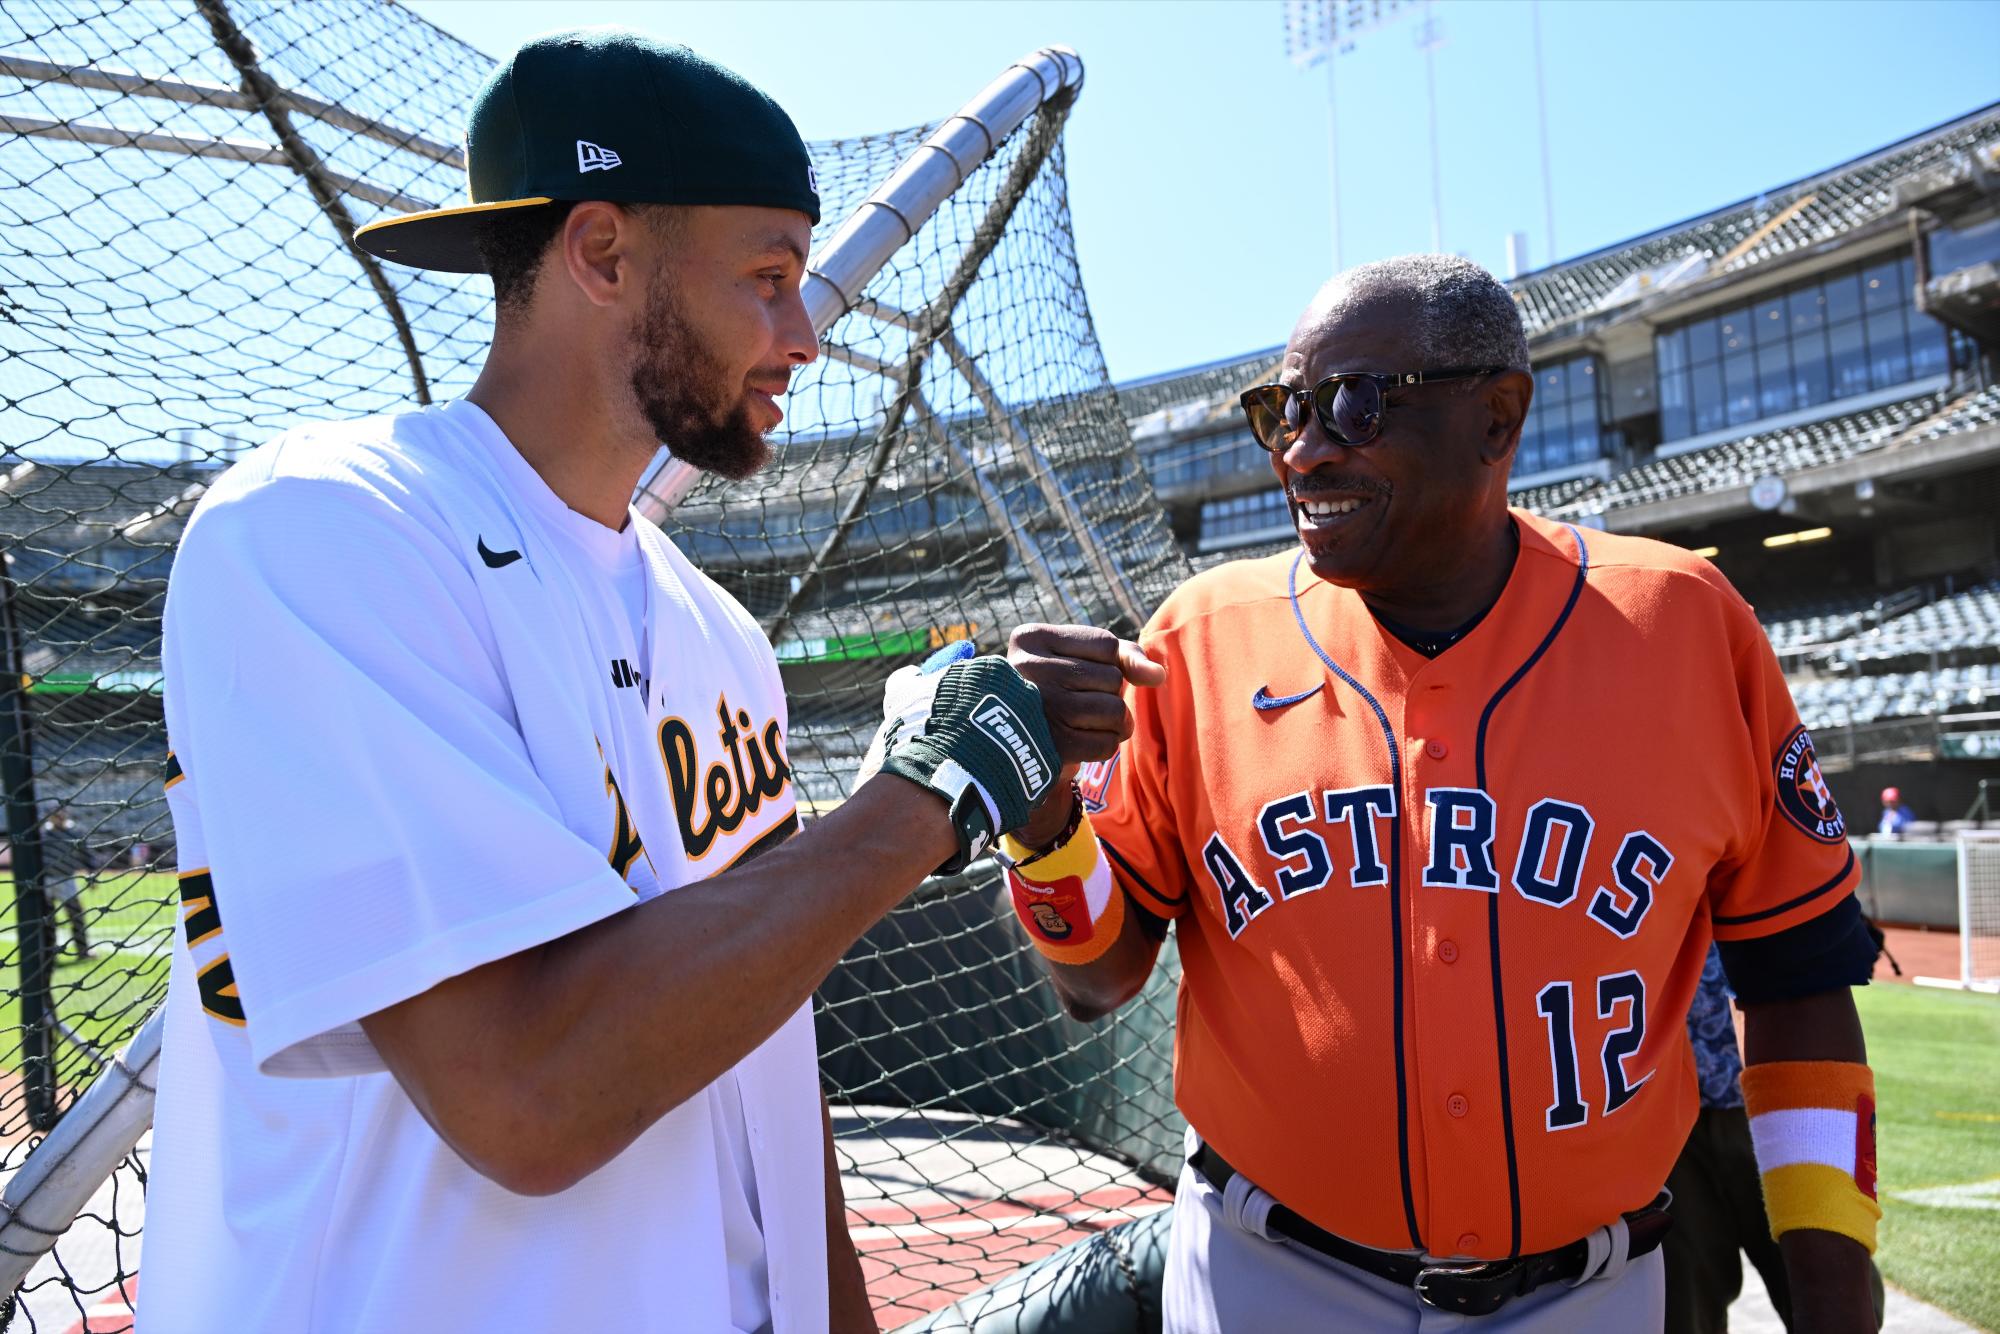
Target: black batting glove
985,749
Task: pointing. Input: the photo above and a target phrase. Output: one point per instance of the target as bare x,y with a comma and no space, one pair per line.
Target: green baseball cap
606,113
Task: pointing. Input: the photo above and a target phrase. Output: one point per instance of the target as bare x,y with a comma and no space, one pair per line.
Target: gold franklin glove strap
1813,1123
1065,897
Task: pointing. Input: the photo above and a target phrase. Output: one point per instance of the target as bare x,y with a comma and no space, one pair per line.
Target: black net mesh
177,185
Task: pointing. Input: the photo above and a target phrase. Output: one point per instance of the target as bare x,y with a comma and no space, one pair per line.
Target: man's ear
1504,400
595,246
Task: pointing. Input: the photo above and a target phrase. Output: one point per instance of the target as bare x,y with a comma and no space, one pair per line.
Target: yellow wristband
1074,858
1813,1195
1066,899
1813,1123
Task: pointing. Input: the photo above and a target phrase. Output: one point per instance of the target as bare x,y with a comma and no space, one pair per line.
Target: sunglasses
1349,406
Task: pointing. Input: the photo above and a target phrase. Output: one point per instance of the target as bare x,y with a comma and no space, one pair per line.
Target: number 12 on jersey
1557,1008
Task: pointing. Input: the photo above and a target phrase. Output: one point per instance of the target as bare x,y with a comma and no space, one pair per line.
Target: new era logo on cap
590,157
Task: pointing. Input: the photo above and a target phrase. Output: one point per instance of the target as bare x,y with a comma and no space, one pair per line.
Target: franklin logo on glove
972,730
1000,722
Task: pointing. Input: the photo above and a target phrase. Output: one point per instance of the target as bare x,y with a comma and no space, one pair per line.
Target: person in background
1718,1204
64,863
1896,817
1718,1199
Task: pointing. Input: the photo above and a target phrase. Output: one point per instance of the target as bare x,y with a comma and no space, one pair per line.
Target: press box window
1257,512
1565,420
1838,336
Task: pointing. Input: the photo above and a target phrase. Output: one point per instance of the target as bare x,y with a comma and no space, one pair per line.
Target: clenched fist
1082,673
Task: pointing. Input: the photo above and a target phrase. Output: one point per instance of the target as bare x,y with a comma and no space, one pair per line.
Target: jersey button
1468,1243
1436,748
1448,951
1457,1105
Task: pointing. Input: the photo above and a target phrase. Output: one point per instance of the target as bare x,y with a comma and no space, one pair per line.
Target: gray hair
1466,317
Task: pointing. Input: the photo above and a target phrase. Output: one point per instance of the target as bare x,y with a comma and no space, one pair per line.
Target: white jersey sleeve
373,824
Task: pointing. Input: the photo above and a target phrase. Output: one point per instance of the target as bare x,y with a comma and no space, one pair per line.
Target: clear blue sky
1198,154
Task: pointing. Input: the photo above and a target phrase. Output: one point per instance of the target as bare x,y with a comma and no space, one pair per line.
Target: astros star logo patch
1803,794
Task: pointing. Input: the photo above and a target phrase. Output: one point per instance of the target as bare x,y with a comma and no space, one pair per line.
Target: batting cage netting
179,183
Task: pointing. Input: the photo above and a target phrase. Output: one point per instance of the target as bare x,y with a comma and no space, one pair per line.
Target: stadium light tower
1320,31
1430,36
1542,121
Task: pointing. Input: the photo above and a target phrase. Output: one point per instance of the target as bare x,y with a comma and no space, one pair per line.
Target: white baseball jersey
423,717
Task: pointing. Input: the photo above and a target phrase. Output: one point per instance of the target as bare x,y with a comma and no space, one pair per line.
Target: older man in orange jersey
1448,804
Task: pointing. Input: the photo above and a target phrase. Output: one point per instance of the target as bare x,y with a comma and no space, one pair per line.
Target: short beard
684,393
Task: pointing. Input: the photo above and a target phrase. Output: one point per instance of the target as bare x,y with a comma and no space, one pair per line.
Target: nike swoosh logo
1264,701
496,559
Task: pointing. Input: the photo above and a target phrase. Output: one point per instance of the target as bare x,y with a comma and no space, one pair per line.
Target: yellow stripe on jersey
200,918
219,997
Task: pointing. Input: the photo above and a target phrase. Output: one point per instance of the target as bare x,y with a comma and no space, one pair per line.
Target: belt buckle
1478,1298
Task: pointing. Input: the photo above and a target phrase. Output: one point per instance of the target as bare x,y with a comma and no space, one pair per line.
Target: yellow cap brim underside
438,238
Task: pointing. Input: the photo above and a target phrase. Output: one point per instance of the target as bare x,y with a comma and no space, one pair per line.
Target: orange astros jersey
1441,919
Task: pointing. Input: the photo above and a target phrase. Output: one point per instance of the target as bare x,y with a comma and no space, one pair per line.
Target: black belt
1473,1287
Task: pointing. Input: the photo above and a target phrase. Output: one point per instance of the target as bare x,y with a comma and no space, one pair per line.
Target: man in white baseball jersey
491,1010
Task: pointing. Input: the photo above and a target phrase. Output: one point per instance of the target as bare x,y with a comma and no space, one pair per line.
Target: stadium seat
1771,227
1965,620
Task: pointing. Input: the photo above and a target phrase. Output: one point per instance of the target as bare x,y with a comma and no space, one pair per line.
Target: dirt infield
942,1204
950,1250
113,1312
1920,952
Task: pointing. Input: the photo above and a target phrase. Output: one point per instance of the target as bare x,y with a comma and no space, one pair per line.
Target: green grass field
131,921
1937,1080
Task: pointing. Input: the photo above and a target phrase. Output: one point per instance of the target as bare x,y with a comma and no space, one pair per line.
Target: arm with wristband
1100,949
1794,946
1811,1100
1058,879
1062,889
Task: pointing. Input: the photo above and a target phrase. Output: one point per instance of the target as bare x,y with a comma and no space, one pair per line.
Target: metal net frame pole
198,93
58,1179
1026,548
1031,460
1044,474
888,219
913,406
928,330
299,155
33,918
188,145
